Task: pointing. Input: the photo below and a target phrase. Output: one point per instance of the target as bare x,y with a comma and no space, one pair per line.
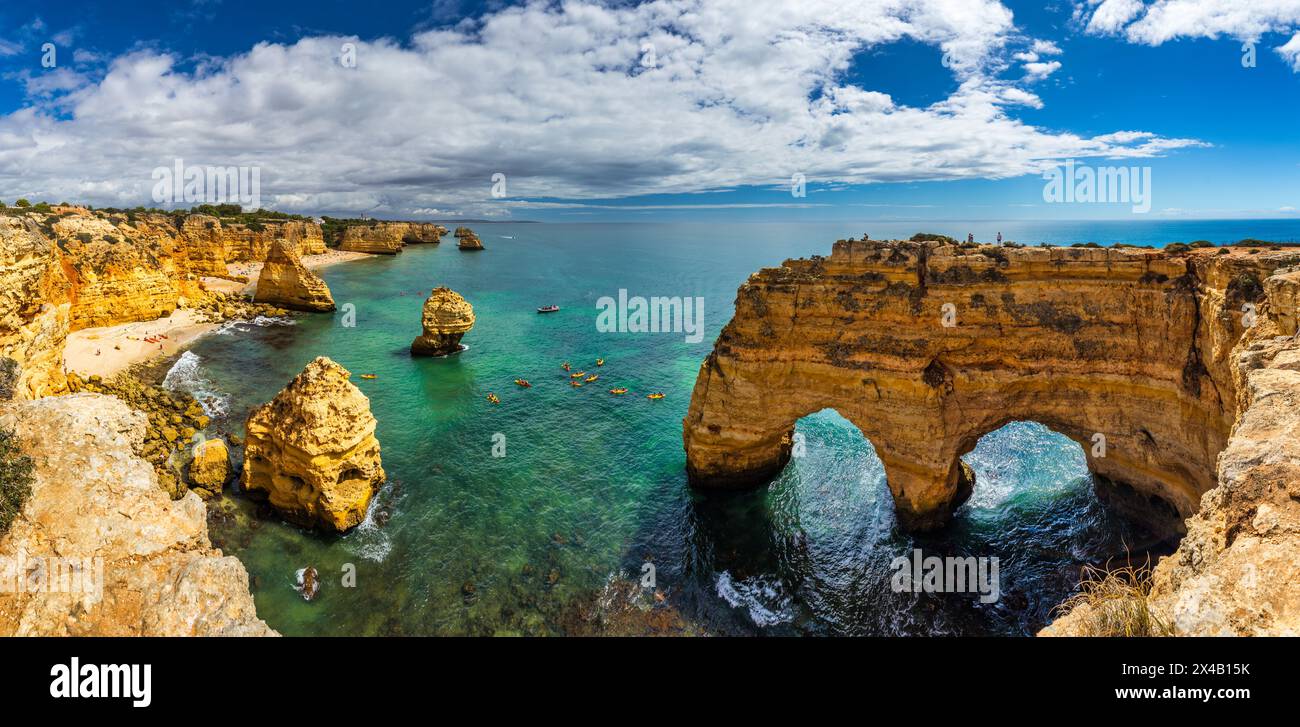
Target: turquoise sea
592,486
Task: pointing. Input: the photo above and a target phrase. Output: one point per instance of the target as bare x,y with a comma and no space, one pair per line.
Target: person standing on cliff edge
999,238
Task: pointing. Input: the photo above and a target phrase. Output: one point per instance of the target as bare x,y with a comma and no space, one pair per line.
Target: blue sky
559,101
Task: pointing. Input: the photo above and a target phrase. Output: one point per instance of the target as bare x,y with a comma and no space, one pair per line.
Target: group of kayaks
577,379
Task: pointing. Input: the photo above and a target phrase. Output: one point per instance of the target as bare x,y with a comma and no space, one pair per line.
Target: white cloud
1164,20
1039,71
742,92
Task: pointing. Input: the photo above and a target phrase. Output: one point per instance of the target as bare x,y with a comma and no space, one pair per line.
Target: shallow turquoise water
592,485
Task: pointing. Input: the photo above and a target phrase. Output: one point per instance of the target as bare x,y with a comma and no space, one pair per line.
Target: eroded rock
447,318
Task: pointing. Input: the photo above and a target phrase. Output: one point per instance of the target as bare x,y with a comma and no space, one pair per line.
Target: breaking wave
185,376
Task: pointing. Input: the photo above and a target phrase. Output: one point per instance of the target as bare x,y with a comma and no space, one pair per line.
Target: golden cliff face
313,450
926,347
377,238
286,282
122,270
33,313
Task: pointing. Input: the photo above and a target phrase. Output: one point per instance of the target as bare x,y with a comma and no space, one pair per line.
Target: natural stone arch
1132,344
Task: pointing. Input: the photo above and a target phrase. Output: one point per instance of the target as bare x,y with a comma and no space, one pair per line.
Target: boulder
312,449
447,317
210,468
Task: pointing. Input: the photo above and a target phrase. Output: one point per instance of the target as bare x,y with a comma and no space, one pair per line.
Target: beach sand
108,350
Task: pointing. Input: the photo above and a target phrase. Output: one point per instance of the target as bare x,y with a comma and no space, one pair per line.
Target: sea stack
313,451
286,282
447,317
467,239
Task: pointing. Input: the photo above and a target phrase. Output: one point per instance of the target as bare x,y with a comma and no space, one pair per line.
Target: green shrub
15,479
22,202
1177,248
932,237
1202,243
1085,244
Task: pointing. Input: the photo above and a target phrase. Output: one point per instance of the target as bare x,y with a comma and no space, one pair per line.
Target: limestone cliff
313,450
286,282
251,242
467,239
376,238
926,347
33,312
447,318
150,567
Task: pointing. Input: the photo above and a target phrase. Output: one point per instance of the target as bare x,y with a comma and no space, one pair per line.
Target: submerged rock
447,318
313,450
286,282
467,239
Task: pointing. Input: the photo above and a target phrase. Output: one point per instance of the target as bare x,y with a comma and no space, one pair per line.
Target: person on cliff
970,237
999,238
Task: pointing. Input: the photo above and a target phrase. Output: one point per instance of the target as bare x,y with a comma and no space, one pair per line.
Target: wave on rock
185,376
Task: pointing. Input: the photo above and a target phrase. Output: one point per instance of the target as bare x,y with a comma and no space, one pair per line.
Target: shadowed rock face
446,319
313,450
1133,346
286,282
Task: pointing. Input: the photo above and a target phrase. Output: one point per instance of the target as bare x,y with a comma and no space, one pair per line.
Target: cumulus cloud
1164,20
577,101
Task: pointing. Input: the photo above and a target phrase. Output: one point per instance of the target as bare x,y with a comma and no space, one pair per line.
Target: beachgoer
999,238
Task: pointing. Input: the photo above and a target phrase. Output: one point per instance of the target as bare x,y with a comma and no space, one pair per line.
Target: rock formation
150,569
926,347
313,450
286,282
375,238
468,240
34,312
415,233
210,468
447,318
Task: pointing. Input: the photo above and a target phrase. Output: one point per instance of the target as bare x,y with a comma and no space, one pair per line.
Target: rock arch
1130,344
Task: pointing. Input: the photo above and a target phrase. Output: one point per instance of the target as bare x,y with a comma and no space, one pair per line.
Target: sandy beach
108,350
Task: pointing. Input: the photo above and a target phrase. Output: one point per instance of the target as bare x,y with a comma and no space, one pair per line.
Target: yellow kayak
575,383
600,362
618,392
592,378
493,399
654,396
369,376
578,375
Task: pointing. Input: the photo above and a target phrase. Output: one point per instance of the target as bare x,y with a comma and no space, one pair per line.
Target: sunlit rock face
34,312
312,450
928,346
376,238
149,567
446,318
286,282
